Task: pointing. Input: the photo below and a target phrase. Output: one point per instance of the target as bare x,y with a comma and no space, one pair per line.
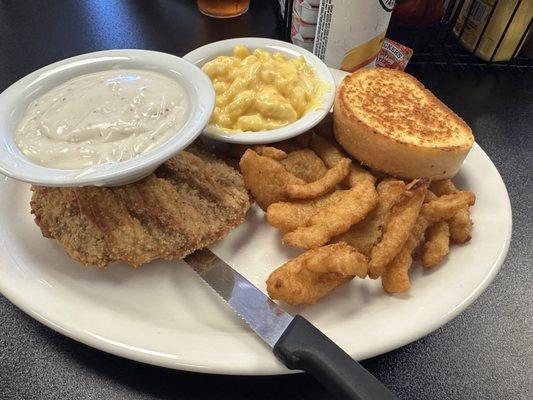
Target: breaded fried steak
190,202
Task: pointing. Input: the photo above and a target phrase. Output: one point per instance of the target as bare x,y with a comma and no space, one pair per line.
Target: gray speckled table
485,353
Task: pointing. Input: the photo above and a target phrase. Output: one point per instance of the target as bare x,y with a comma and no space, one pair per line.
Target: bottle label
350,32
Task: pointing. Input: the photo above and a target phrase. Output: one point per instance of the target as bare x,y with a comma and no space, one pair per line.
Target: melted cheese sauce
261,90
108,116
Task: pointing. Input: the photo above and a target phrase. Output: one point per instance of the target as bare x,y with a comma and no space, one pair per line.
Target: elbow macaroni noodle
261,90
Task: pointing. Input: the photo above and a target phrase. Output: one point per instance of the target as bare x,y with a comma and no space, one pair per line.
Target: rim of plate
16,98
210,51
159,359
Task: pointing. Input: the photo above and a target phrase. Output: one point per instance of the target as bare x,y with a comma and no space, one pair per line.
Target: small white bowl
16,98
210,51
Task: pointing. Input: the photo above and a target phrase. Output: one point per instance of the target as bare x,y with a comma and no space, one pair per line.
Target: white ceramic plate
163,314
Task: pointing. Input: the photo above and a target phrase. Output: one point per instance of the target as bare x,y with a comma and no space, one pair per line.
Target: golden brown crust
460,224
390,122
352,206
331,155
190,202
323,185
364,235
272,152
305,164
288,216
395,278
266,178
437,245
394,104
315,273
400,222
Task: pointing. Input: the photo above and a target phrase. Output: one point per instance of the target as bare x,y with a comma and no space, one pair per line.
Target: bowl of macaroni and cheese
266,90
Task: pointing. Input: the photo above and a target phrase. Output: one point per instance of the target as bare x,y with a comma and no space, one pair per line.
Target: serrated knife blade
262,315
294,340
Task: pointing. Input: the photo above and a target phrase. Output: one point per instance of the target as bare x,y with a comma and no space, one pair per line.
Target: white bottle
350,32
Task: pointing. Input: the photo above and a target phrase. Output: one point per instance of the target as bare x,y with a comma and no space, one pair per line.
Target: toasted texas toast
190,202
387,120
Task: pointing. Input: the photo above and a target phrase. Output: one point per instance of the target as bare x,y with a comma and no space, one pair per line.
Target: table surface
485,353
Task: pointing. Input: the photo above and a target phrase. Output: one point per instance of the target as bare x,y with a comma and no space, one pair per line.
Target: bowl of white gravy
105,118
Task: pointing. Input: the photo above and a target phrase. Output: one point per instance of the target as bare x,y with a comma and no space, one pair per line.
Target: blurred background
444,33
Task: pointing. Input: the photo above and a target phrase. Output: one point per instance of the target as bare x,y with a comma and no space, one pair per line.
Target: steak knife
294,340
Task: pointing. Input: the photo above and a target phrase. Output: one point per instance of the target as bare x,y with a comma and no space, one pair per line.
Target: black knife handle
302,346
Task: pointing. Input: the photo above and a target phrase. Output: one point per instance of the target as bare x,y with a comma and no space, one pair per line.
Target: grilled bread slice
387,120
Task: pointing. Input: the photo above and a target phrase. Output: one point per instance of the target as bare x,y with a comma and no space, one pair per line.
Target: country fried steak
190,202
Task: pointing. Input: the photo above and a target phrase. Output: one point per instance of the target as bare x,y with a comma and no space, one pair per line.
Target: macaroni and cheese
261,90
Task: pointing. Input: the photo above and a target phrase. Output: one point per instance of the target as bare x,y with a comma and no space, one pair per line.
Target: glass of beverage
223,8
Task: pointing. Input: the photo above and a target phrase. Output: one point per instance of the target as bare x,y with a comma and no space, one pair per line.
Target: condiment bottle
493,28
350,32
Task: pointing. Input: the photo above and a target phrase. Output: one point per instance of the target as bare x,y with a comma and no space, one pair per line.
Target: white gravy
108,116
